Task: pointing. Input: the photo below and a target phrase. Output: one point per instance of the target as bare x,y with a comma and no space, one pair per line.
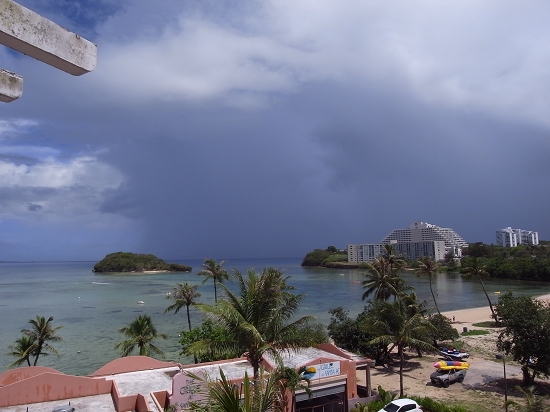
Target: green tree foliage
211,269
451,261
35,341
349,333
258,319
141,333
385,398
533,401
525,334
315,258
334,261
479,249
525,262
134,262
210,332
397,325
22,349
178,267
520,268
381,280
395,262
292,380
443,330
184,295
221,395
328,257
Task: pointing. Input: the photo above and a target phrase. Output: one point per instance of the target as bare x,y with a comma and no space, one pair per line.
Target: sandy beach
483,387
466,317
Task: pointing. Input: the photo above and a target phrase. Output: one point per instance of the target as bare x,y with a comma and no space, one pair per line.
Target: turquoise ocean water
92,307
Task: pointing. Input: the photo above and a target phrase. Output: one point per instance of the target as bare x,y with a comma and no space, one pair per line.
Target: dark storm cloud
409,161
33,207
269,129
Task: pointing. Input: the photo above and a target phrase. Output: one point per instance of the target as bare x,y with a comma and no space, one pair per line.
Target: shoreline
467,317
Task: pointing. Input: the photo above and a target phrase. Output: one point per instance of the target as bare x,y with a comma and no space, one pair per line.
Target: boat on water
448,365
140,302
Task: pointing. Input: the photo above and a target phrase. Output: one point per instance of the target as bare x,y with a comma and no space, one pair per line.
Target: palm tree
224,396
41,333
184,295
291,381
395,262
533,401
214,270
428,267
141,333
257,318
381,281
399,324
22,349
475,267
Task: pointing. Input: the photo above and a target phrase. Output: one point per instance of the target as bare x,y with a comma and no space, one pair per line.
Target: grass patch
456,344
487,324
475,333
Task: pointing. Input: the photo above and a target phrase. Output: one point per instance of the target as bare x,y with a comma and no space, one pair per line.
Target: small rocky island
134,262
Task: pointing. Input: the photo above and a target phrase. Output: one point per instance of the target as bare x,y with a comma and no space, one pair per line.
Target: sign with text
323,370
186,389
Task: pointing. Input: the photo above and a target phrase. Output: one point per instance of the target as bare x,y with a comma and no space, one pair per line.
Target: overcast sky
241,129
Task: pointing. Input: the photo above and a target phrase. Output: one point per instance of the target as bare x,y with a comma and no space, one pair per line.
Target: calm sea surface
92,307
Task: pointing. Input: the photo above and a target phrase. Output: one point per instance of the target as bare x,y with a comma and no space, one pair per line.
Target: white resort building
418,240
513,237
426,232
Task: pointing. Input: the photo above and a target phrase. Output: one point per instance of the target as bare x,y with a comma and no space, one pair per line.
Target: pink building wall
16,375
35,384
50,386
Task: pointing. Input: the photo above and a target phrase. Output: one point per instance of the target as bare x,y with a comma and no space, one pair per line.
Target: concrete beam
11,86
27,32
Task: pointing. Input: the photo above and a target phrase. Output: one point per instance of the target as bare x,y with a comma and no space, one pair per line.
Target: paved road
484,371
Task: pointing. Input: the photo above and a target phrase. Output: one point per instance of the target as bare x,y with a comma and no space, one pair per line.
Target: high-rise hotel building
513,237
418,240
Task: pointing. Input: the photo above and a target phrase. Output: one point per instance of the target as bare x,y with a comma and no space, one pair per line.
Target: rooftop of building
96,403
145,381
142,375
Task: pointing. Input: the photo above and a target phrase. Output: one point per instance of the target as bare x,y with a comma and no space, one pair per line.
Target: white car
402,405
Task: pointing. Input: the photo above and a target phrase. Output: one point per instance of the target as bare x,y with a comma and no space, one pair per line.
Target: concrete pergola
29,33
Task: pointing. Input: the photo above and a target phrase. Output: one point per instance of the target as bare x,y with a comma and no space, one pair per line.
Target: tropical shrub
315,258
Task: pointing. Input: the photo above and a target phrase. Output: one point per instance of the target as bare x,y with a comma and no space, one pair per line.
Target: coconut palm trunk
429,267
494,316
475,267
433,296
184,295
214,270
